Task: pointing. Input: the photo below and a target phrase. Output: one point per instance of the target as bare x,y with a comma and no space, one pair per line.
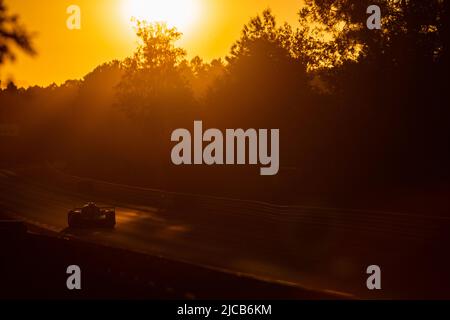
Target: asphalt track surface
318,248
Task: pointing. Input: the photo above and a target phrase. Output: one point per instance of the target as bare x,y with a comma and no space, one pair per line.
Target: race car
92,216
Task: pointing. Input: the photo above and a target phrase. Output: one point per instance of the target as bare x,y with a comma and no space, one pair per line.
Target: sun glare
181,14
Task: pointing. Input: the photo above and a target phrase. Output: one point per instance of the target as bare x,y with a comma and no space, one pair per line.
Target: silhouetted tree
153,82
413,32
391,82
12,33
262,28
263,82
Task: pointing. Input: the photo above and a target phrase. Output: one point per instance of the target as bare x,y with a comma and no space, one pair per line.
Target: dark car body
91,216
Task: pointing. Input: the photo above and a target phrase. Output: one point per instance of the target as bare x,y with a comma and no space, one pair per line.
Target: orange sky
106,33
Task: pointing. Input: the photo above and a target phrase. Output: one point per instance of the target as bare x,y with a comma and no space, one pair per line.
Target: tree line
358,109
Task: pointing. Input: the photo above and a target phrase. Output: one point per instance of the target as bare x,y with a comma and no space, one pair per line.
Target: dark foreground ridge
34,267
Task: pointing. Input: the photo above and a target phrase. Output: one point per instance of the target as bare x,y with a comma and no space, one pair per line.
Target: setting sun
177,13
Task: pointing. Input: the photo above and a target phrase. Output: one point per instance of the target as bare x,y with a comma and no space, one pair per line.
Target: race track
325,249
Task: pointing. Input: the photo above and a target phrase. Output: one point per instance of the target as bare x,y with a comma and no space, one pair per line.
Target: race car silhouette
92,216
